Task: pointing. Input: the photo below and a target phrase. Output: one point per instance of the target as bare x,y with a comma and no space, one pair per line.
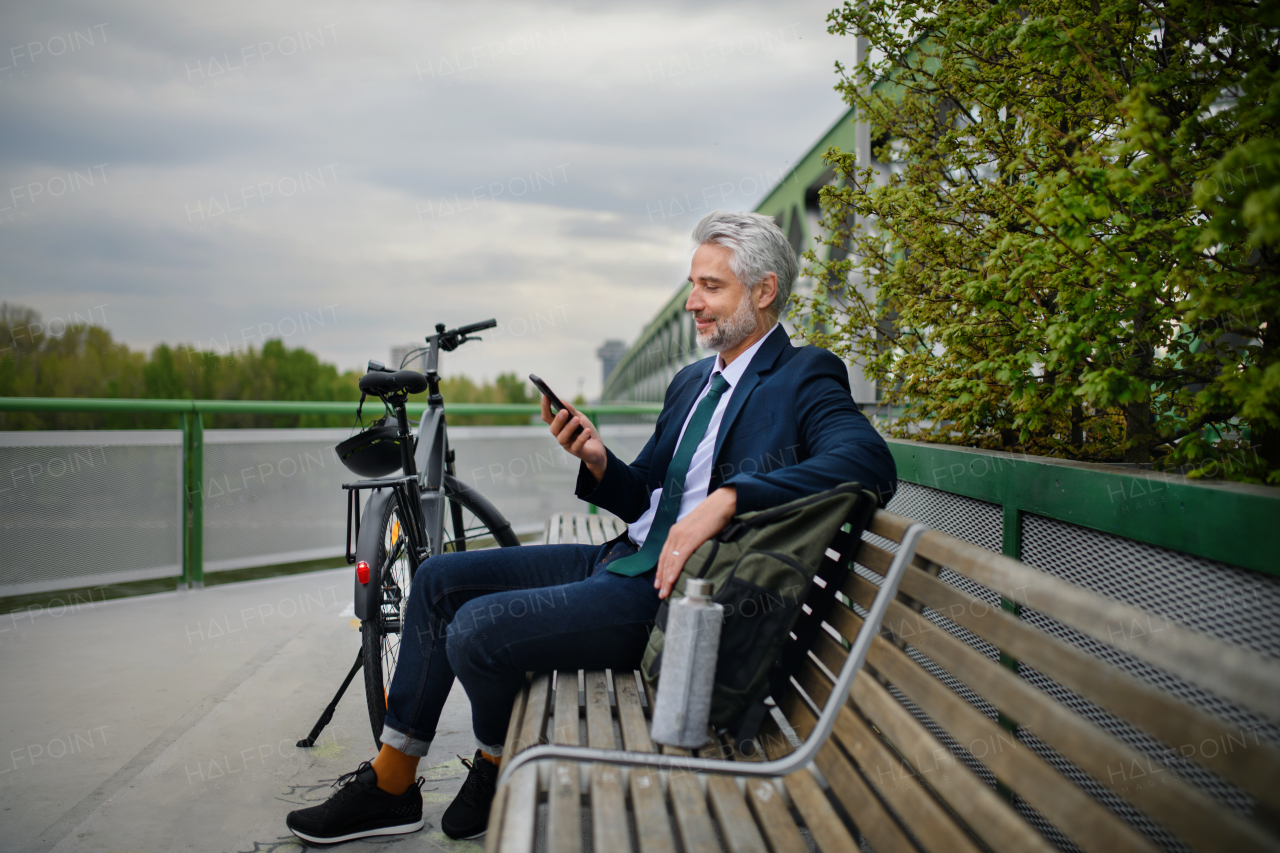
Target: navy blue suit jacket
791,429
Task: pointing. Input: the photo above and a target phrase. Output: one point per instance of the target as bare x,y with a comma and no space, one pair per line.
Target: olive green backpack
761,567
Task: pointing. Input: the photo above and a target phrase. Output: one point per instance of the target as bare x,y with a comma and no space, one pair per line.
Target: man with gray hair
759,424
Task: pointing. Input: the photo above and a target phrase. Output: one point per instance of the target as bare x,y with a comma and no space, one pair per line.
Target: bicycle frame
432,459
419,492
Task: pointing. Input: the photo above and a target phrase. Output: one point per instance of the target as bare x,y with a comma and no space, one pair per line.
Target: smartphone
556,405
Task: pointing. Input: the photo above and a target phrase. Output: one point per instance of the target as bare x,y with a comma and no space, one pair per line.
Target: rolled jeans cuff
402,742
488,748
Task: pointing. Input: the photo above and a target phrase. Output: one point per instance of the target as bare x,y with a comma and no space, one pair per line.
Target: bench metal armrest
784,766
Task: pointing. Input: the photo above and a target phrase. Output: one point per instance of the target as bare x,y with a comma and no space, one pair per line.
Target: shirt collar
734,371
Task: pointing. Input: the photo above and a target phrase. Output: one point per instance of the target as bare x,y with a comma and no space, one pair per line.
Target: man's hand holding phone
576,434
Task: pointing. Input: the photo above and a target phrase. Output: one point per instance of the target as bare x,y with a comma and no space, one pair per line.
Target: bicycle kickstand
310,739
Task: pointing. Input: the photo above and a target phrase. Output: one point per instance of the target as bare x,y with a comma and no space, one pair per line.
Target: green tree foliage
84,361
1072,245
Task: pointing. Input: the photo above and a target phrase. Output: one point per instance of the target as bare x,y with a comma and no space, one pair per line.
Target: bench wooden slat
986,813
599,715
520,820
927,820
553,534
1256,770
498,810
564,808
513,725
1181,808
534,722
770,809
731,811
653,825
1085,821
596,530
693,821
608,804
1236,673
518,826
564,794
566,712
608,809
635,729
828,830
874,822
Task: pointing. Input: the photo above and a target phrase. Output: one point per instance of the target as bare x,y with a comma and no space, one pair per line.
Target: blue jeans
489,617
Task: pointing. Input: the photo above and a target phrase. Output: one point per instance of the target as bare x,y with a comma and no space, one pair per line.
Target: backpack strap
744,733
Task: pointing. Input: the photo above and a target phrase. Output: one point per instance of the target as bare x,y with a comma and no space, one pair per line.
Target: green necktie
669,504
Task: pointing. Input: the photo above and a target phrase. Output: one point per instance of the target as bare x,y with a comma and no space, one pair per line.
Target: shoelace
473,783
344,781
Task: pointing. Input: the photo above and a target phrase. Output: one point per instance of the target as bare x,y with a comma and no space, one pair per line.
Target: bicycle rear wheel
471,523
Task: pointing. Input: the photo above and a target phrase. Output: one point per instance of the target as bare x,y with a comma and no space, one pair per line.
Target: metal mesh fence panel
525,473
275,496
974,521
89,507
1234,604
272,496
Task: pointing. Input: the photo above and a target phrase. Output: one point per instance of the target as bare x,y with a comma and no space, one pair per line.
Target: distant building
398,353
610,354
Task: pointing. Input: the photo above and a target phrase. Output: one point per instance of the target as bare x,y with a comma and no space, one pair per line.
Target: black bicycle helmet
374,452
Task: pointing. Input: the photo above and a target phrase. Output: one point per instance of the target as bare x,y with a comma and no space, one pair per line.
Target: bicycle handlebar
447,341
476,327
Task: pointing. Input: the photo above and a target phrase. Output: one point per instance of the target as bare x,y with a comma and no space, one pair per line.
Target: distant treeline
84,361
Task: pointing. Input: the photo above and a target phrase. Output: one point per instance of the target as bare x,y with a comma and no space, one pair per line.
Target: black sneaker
468,814
360,809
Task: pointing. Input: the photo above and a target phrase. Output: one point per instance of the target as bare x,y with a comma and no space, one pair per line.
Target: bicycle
404,520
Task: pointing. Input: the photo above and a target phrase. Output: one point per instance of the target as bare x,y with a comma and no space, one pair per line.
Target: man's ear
767,291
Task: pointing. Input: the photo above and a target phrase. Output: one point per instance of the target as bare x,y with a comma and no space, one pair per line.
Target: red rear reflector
362,571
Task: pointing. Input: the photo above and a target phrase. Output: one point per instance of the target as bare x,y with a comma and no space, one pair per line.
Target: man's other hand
686,535
587,446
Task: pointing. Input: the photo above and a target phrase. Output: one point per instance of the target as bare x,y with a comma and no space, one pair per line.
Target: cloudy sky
345,175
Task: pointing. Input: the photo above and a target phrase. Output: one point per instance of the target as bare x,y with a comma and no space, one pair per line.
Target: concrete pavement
168,722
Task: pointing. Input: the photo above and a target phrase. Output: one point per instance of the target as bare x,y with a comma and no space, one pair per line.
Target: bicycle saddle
383,384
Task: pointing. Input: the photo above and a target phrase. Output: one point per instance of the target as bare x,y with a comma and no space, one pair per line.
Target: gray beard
730,331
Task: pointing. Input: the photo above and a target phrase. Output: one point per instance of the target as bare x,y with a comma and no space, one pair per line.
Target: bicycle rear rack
405,489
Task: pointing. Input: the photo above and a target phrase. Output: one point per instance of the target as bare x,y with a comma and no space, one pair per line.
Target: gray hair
757,248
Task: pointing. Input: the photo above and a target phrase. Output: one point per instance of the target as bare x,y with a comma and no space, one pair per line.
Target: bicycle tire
483,526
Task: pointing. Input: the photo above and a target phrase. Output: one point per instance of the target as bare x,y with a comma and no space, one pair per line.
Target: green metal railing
192,414
1234,523
1229,522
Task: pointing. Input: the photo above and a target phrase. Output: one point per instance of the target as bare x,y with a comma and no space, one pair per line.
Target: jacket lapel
763,361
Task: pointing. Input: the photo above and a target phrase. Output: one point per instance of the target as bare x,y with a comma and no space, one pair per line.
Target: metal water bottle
690,646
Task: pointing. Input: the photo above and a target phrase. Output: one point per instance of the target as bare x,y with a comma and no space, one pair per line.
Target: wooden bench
945,742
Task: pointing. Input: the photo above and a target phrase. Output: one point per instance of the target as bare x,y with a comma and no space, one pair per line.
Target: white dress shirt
698,480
